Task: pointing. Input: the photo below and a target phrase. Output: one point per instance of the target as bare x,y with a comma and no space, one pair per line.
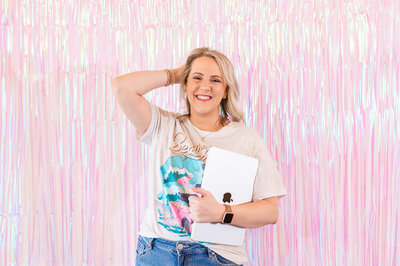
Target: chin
204,108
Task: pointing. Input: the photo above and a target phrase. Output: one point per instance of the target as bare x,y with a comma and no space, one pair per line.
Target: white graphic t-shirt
176,164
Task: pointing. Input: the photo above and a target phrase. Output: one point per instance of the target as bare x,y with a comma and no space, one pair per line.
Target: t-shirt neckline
203,131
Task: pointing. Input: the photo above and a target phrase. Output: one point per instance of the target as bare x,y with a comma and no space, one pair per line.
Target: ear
226,93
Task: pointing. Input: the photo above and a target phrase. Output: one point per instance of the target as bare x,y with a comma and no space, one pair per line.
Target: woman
179,145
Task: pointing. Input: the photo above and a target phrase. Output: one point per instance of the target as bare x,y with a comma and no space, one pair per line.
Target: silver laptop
229,176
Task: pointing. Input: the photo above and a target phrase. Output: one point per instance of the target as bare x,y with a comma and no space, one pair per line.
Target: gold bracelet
168,77
171,76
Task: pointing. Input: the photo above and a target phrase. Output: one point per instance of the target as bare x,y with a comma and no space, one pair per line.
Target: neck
207,124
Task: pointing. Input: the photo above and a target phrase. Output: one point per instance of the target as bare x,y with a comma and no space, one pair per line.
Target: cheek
221,93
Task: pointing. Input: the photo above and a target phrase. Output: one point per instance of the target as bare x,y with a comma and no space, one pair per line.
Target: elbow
273,218
119,90
270,218
272,210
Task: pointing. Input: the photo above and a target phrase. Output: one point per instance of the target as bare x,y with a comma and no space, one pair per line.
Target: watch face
228,218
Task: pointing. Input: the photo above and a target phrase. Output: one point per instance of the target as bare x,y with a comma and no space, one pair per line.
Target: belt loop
210,252
152,242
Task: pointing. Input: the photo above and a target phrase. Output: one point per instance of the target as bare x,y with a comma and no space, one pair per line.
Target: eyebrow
203,75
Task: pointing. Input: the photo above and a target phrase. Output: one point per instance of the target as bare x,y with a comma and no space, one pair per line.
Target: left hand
205,209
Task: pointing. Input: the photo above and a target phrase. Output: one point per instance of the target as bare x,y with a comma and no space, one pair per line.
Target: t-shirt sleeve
154,127
268,182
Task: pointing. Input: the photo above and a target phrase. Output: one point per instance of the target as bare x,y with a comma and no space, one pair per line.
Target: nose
205,84
205,88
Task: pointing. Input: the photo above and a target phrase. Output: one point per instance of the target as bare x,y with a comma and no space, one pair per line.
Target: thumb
201,191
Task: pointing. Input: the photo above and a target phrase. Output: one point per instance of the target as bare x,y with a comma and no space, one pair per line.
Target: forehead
205,65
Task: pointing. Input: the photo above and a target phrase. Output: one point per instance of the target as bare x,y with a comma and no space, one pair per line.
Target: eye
214,80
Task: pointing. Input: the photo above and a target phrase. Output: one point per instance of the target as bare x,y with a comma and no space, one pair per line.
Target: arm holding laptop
247,215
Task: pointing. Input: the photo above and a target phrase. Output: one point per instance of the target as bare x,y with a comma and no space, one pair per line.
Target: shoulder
247,131
165,113
252,138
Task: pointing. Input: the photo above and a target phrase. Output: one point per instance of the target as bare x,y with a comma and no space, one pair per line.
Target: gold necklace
201,137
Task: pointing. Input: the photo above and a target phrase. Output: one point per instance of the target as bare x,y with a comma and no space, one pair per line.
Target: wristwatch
228,215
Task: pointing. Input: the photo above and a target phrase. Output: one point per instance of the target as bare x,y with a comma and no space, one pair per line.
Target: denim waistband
179,246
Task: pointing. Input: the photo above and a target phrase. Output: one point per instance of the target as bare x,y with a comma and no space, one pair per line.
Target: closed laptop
229,176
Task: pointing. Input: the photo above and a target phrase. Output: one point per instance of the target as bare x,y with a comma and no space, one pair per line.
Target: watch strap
228,215
228,208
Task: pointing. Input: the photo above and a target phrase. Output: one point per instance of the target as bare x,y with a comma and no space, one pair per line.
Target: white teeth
203,97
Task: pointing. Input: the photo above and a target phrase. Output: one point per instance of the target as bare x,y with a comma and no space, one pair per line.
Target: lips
203,97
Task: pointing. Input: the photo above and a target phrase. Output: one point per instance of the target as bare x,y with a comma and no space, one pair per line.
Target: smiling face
205,88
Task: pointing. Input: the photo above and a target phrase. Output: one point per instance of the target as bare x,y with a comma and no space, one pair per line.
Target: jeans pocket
143,246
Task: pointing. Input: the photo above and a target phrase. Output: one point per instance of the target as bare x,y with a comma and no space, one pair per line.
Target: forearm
254,214
140,82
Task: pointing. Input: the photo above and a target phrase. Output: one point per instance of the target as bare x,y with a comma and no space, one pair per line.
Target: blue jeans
158,251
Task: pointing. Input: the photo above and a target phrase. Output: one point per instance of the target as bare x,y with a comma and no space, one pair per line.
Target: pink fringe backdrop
319,81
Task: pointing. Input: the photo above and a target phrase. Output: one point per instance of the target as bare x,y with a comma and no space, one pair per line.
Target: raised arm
130,88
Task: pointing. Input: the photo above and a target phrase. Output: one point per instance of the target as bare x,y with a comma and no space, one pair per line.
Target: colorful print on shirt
181,172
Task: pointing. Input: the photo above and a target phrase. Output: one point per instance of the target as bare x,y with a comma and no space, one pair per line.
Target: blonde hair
230,105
